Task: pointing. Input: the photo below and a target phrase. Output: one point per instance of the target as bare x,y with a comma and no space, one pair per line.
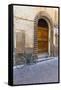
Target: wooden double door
42,39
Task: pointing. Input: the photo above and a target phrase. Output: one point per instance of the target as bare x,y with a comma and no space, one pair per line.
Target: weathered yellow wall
24,20
30,12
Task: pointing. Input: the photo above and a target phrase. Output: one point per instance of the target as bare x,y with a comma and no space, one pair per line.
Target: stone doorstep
46,58
18,66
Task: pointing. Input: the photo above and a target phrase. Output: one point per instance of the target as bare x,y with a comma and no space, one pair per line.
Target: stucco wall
28,28
24,20
29,13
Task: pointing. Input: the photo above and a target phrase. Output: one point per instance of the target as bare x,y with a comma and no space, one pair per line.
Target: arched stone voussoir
44,15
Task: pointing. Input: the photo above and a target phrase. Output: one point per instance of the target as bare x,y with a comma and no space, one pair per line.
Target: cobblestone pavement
40,72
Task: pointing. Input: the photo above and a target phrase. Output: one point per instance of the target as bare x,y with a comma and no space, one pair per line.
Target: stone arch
48,19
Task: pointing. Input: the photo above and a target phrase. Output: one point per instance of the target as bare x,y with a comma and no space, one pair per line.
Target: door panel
42,39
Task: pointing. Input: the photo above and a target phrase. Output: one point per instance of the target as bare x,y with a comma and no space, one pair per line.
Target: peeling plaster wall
29,13
28,28
24,20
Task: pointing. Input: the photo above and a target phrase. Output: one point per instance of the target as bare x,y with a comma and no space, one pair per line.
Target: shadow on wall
55,49
24,58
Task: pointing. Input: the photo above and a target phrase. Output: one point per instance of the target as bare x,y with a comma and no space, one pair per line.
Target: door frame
48,19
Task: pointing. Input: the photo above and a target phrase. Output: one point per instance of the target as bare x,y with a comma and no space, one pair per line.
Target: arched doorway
42,36
43,20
